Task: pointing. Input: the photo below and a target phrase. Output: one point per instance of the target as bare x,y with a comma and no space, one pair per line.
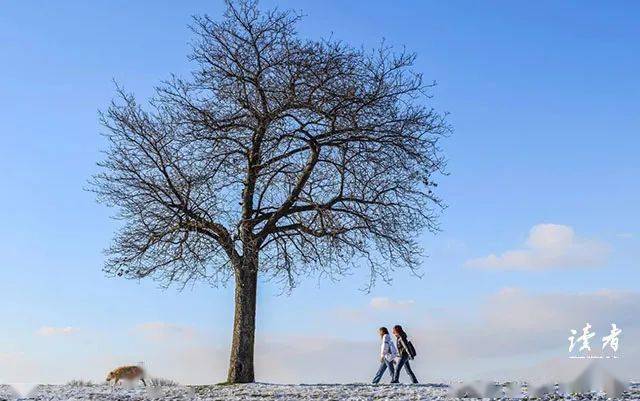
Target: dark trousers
404,362
383,367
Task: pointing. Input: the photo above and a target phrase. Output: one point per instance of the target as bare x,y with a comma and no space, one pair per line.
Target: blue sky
544,101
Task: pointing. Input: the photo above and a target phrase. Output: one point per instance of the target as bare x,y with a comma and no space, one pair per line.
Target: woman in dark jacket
402,341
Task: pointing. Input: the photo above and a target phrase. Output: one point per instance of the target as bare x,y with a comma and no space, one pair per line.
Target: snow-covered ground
255,392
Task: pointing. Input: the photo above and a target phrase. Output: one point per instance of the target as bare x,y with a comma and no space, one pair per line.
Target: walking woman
388,354
404,353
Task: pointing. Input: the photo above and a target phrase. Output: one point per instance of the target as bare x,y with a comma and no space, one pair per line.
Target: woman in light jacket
388,354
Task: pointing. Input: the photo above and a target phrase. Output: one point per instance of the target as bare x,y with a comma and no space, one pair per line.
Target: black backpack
411,350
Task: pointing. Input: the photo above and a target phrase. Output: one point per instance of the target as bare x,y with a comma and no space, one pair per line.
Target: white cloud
163,331
378,309
549,246
385,303
47,331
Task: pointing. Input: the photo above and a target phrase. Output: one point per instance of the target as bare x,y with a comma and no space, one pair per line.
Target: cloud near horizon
47,331
163,331
511,334
385,303
548,246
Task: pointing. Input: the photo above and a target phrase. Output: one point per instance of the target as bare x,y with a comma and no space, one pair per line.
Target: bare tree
278,157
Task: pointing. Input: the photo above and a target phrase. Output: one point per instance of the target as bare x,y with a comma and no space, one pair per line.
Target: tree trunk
244,323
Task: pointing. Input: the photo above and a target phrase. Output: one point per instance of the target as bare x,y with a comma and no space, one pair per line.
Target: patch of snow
262,392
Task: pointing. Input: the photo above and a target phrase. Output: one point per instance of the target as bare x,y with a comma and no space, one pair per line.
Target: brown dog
127,373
